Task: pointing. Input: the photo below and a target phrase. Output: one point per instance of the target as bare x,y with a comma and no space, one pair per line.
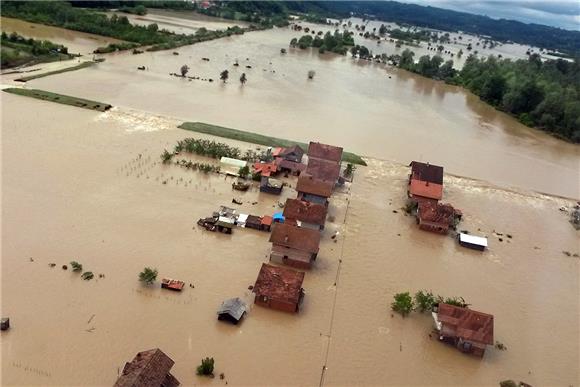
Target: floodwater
377,111
87,186
77,42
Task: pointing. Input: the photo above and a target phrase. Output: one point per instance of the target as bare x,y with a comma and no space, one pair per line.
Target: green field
72,68
259,139
59,98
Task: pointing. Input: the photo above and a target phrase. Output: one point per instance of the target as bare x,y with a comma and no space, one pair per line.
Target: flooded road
379,112
88,186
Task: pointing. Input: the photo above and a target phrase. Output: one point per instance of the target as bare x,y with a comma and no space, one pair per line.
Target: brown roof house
323,169
279,288
326,152
470,331
425,182
293,153
294,246
436,217
314,190
305,214
148,369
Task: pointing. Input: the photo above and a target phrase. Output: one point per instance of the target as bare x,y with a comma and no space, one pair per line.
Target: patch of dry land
89,186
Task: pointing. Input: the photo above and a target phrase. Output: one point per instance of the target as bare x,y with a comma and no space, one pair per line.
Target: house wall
433,227
282,305
291,257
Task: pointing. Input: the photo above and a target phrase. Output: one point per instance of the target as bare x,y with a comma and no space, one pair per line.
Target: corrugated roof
295,149
323,169
148,369
235,307
311,185
427,172
305,211
466,323
426,189
294,237
291,165
324,151
279,283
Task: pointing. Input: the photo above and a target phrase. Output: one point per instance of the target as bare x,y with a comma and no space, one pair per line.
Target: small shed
231,166
225,225
148,369
279,288
5,324
172,284
232,310
435,217
267,221
290,167
242,220
270,185
472,241
254,222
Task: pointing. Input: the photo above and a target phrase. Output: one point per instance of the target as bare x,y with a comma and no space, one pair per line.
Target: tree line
336,42
18,50
541,94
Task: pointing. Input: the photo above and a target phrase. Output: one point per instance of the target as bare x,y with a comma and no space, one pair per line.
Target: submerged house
270,185
265,169
314,190
294,246
293,153
326,152
289,167
472,241
425,182
436,217
231,166
148,369
279,288
305,214
232,310
470,331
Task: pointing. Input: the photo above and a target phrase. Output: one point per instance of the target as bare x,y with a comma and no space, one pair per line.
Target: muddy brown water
87,186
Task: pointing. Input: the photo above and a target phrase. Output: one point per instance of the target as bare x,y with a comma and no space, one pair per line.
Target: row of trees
541,94
18,50
422,301
337,42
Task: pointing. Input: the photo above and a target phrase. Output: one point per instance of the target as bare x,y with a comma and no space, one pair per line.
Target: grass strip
255,138
59,98
64,70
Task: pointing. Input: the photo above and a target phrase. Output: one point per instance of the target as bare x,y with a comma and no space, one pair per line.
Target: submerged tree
311,74
224,75
244,171
206,367
425,301
148,275
403,303
87,275
184,70
76,266
243,78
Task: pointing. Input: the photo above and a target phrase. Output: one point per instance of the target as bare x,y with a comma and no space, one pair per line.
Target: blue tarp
278,217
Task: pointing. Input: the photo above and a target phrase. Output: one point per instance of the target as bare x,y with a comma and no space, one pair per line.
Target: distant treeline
545,95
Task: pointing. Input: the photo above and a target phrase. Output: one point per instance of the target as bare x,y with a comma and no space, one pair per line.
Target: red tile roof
277,151
148,369
436,213
267,220
426,189
466,323
324,151
305,211
279,283
265,169
294,237
323,169
426,172
297,150
310,185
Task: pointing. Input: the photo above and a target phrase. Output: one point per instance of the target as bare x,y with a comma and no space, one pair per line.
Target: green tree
76,266
407,61
244,171
243,79
148,275
206,367
493,89
184,70
87,275
224,75
425,301
403,303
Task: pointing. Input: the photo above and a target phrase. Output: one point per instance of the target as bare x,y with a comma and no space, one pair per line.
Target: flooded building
326,152
314,190
305,214
232,310
425,182
148,369
265,169
270,185
293,154
323,169
472,241
294,246
279,288
436,217
470,331
231,166
289,167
